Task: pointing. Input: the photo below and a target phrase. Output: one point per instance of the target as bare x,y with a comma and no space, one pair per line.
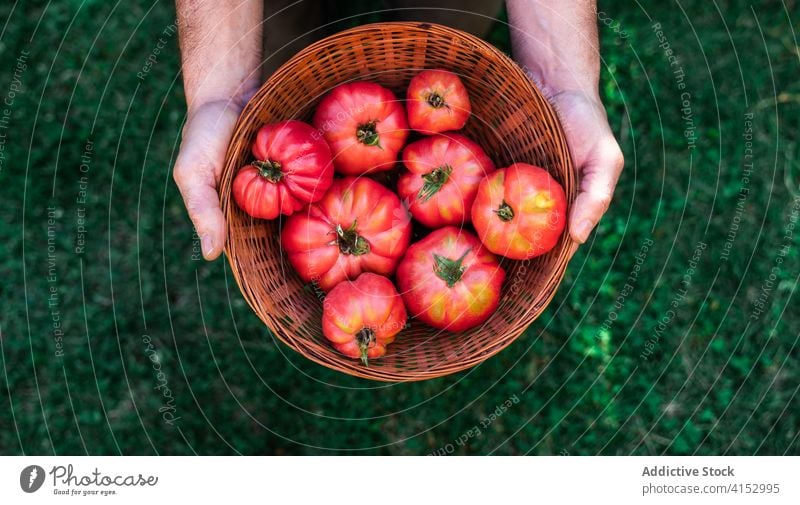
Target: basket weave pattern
510,119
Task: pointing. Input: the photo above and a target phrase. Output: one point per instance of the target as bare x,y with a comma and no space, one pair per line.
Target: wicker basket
511,120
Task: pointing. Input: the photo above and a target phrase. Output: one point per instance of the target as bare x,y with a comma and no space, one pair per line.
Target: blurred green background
698,355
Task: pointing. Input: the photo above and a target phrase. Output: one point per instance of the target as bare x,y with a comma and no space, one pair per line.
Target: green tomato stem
450,271
436,100
269,169
365,338
434,180
367,134
350,242
505,212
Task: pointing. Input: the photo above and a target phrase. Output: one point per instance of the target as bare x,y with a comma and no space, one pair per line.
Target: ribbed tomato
449,280
362,317
358,226
444,172
437,102
520,211
365,126
292,168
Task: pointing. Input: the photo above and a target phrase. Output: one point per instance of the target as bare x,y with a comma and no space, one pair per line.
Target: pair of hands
209,127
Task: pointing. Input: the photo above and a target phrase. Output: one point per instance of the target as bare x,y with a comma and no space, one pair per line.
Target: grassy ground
698,354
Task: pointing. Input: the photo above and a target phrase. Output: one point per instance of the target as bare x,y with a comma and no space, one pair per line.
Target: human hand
220,45
557,44
198,169
595,154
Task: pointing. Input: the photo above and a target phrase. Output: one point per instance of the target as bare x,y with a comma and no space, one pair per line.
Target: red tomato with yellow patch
358,226
520,211
363,316
449,280
365,126
437,101
292,168
444,172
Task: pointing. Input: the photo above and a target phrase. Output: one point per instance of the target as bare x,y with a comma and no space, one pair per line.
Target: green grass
715,380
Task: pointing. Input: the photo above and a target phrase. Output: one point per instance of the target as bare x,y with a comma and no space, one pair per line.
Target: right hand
206,135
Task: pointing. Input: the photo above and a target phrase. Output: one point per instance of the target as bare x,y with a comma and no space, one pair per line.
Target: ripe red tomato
437,102
365,126
292,168
443,178
520,211
362,317
358,226
449,280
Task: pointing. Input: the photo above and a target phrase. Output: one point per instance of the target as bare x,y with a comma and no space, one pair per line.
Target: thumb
599,175
198,169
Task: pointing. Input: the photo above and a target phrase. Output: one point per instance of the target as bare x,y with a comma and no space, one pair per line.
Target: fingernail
207,244
583,230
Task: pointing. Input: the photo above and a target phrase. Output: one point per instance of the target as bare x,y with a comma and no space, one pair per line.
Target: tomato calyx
350,242
269,169
505,212
435,100
434,180
450,271
365,338
367,134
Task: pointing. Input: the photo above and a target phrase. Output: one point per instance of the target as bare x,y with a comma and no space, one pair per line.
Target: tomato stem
365,338
434,180
450,271
436,100
269,169
505,212
350,242
367,134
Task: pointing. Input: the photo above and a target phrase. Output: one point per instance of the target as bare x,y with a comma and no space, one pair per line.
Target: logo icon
31,478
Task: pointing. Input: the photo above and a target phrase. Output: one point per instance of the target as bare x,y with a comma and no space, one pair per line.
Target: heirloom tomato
292,168
358,226
449,280
362,317
365,126
444,172
520,211
437,102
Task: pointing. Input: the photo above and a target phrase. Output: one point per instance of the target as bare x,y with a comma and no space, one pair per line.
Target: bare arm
556,42
220,45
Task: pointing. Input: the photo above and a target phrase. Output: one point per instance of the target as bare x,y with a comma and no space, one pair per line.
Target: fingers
599,175
202,202
598,159
198,168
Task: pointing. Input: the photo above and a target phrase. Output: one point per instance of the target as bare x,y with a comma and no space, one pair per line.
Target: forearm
557,43
220,45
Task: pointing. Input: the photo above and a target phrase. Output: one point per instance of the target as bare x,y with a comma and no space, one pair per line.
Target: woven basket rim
249,115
